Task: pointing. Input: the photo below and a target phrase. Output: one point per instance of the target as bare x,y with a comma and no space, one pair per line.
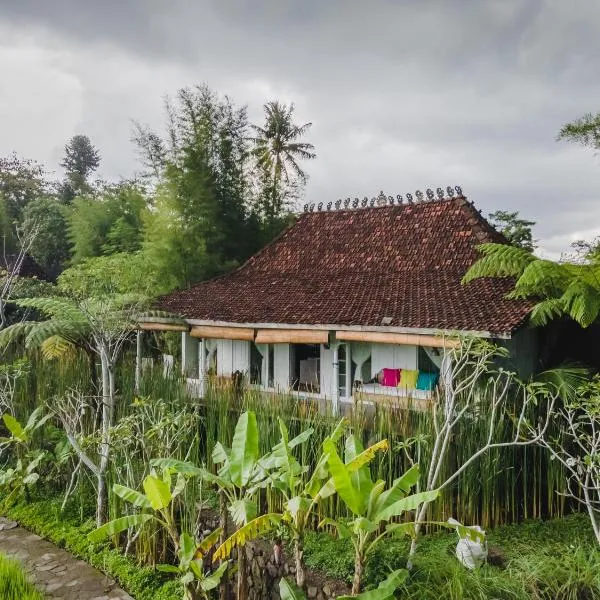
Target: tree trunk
299,559
359,568
419,517
223,587
242,580
108,387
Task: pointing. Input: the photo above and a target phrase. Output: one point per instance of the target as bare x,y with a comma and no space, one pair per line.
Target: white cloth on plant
471,552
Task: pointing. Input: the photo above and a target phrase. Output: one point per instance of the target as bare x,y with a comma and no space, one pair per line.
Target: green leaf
15,428
118,525
248,532
176,466
132,496
214,579
219,454
157,492
384,590
167,569
242,511
290,591
406,504
361,478
298,504
187,550
342,529
341,479
244,449
400,487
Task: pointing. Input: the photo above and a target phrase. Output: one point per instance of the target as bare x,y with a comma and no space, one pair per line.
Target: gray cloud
402,94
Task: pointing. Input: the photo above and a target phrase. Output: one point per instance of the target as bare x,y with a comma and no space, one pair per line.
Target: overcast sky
403,95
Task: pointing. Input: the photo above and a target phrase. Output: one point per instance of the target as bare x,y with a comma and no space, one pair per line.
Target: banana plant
157,505
384,591
191,554
372,506
15,481
241,474
301,489
20,435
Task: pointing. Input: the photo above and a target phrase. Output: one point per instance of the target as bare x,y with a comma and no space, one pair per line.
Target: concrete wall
392,357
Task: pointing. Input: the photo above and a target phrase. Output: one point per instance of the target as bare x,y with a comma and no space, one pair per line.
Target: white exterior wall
282,366
232,355
392,357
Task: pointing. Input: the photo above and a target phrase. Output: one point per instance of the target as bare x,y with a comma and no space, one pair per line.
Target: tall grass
14,584
504,486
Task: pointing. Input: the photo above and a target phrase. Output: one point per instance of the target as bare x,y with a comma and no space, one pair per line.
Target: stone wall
266,566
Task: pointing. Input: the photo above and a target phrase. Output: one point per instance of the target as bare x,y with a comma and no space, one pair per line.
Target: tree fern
499,260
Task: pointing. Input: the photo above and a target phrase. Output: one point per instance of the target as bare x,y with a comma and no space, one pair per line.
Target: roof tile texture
355,267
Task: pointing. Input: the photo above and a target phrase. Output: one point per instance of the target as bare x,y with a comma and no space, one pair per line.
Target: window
425,363
345,371
270,365
256,365
305,367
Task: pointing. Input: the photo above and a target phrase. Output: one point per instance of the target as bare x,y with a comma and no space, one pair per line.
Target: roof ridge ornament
381,199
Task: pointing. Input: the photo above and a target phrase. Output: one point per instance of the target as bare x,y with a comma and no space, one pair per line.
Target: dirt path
55,571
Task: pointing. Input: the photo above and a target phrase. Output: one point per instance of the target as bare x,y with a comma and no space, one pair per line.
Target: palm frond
56,347
53,307
547,310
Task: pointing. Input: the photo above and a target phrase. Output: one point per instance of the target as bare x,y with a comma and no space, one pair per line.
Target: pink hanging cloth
391,377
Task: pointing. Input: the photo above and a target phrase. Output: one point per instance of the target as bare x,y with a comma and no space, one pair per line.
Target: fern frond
53,307
582,302
74,332
246,533
57,346
542,278
499,260
16,331
547,310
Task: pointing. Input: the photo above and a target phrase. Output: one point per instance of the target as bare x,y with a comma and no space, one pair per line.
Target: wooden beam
222,333
404,339
162,327
291,336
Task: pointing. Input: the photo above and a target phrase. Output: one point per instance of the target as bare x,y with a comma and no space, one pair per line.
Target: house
348,296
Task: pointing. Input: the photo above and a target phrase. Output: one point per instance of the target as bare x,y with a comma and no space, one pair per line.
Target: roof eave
333,326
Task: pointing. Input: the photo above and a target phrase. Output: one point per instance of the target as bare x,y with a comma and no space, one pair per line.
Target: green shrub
14,584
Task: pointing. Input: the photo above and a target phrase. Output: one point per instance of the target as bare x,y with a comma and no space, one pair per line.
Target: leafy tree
21,181
109,223
80,161
517,231
278,150
584,131
50,248
203,166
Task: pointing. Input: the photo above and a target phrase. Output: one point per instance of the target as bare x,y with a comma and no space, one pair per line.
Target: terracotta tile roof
355,267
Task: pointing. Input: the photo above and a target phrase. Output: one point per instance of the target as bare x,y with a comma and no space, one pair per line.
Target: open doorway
305,367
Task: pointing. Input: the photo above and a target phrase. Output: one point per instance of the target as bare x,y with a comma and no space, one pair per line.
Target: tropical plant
240,476
100,324
371,504
516,230
21,435
157,505
565,289
278,151
15,481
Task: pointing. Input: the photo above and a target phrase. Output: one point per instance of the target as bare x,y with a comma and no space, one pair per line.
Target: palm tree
561,289
277,150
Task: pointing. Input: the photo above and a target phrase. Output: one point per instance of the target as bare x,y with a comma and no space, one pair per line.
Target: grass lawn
14,584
